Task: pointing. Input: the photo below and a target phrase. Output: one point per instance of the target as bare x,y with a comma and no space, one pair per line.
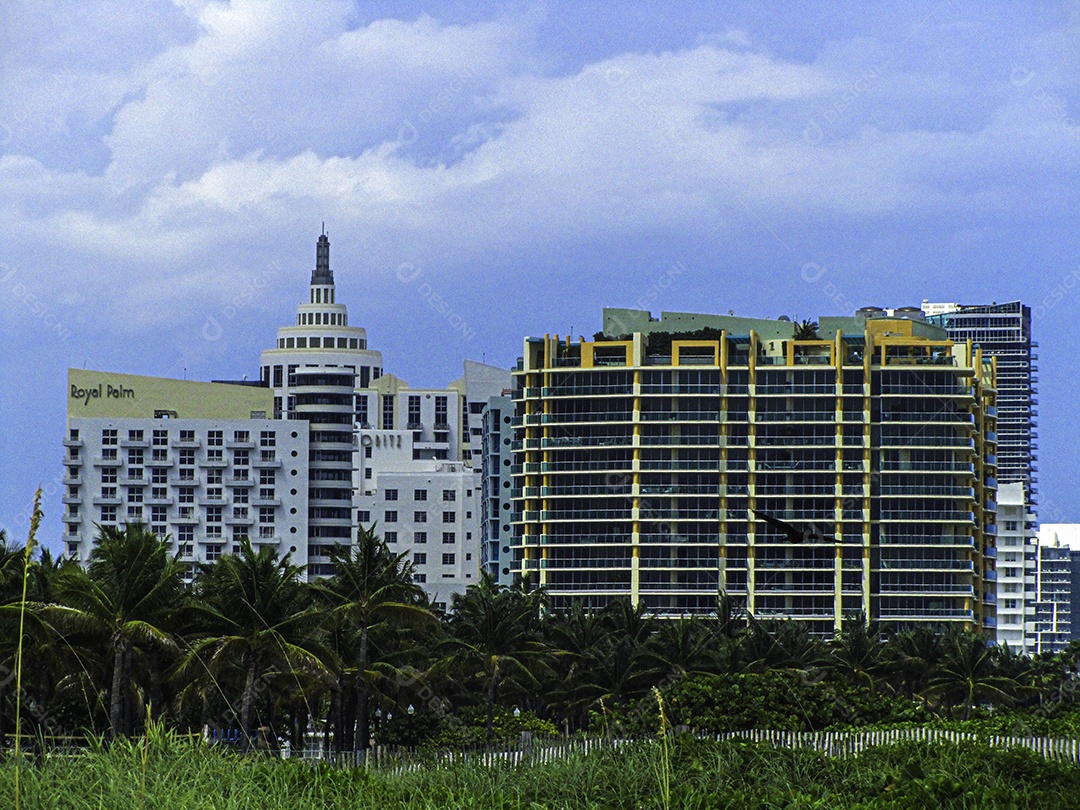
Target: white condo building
323,442
199,463
381,452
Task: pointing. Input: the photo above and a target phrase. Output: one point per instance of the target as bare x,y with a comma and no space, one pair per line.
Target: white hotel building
323,442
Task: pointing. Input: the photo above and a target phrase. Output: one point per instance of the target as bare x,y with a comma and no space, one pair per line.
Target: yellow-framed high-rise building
647,461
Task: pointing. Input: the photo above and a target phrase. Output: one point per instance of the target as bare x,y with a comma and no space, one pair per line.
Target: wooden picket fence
829,743
850,743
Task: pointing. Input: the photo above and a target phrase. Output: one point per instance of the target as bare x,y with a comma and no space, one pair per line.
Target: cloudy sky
165,168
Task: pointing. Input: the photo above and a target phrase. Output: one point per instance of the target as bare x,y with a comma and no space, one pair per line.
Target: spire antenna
322,274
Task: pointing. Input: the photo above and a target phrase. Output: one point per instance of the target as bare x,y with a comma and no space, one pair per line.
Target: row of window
160,438
448,495
421,538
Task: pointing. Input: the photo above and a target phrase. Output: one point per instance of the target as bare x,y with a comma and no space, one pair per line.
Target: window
159,493
420,495
449,517
362,404
135,495
363,516
419,517
241,436
441,418
449,538
391,495
1011,525
449,495
419,558
267,438
213,477
367,451
135,435
186,495
108,437
187,435
266,494
213,514
390,516
240,495
73,434
266,514
108,492
448,559
134,513
157,476
213,551
367,473
266,478
241,458
388,411
419,578
108,514
420,538
414,412
390,537
187,457
215,438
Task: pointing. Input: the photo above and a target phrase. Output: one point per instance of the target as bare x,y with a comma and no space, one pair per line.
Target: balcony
186,515
213,462
244,444
73,442
100,461
134,442
186,444
239,482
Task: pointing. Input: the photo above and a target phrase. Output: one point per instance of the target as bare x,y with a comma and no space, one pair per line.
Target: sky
491,171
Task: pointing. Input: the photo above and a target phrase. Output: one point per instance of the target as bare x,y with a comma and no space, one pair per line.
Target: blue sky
165,169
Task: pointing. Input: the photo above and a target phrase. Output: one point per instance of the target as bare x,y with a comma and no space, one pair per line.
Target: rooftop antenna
324,228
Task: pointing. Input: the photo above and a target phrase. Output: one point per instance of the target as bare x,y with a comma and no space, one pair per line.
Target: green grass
166,772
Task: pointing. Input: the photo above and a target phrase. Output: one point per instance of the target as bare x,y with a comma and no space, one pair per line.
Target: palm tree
806,330
256,623
908,658
126,597
968,674
371,590
495,636
855,652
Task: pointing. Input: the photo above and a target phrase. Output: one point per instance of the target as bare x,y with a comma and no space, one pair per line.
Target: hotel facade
323,443
673,460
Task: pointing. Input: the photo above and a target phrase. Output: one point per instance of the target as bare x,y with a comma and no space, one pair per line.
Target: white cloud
440,141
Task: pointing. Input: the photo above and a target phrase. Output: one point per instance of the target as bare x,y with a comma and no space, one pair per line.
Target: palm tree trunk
493,686
115,699
363,730
247,704
327,729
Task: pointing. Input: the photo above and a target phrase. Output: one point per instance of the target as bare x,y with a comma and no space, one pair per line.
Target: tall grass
35,521
166,771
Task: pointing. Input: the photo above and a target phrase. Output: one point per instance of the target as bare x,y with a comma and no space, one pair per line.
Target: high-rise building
200,463
1003,332
1018,550
496,508
323,442
381,453
845,472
